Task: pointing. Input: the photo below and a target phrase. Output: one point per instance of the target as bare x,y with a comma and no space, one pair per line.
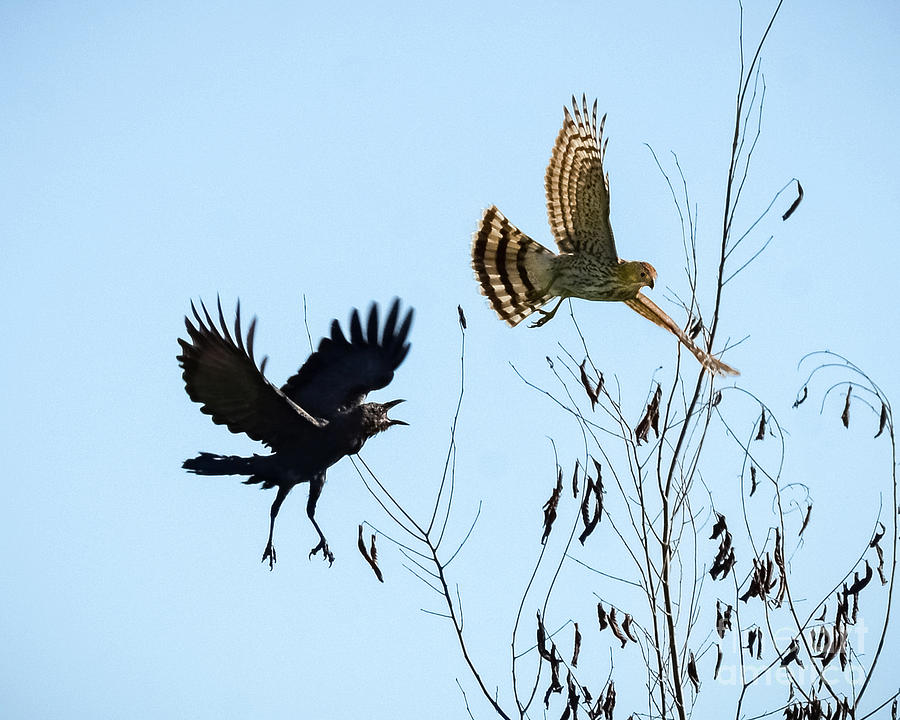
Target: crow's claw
326,553
269,554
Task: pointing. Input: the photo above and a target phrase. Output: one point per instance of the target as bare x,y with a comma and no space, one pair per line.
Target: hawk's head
637,274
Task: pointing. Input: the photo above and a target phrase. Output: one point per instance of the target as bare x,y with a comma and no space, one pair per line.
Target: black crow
317,417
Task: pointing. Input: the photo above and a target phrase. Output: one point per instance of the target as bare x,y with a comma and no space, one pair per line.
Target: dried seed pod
792,654
616,630
609,704
723,619
761,433
882,420
724,559
805,519
371,558
602,617
542,639
796,203
692,672
877,535
593,392
801,398
650,419
593,490
462,317
551,505
694,329
845,416
876,543
573,698
555,686
577,649
626,627
719,526
752,480
860,582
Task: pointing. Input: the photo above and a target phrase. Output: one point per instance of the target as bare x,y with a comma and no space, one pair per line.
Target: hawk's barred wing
220,372
650,310
342,372
577,188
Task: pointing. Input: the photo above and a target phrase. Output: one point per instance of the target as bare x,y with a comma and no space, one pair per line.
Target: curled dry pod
602,617
616,630
577,649
626,627
761,433
692,672
795,204
882,420
371,557
551,505
593,391
845,416
650,418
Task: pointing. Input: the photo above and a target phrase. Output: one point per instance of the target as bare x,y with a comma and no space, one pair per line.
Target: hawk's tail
514,270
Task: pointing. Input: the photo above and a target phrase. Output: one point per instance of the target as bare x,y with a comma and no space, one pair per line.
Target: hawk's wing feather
342,371
578,188
650,310
220,372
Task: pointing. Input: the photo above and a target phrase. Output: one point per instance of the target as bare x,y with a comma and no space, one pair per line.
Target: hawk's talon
544,320
547,314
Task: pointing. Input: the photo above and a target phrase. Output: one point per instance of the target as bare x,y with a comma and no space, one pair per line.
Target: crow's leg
269,553
547,315
315,489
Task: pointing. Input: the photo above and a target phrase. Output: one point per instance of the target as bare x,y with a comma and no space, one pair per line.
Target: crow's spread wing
341,372
220,373
578,188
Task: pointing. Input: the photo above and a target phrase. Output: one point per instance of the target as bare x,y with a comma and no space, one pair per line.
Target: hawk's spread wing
577,188
341,372
220,372
650,310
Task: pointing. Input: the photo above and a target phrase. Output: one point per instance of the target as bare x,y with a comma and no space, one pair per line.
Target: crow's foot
326,553
269,554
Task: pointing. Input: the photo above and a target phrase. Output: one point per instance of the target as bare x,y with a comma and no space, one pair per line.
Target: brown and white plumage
519,275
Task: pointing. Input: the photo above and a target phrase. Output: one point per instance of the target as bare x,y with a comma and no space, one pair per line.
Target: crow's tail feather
211,464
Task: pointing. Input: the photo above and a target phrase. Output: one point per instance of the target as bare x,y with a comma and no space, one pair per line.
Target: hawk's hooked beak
651,282
388,406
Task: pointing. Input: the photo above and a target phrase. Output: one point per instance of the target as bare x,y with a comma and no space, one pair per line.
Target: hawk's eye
643,274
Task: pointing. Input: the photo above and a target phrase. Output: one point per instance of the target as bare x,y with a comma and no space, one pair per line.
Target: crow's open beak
388,406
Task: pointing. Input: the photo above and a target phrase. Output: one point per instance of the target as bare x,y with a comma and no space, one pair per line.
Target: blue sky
158,153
